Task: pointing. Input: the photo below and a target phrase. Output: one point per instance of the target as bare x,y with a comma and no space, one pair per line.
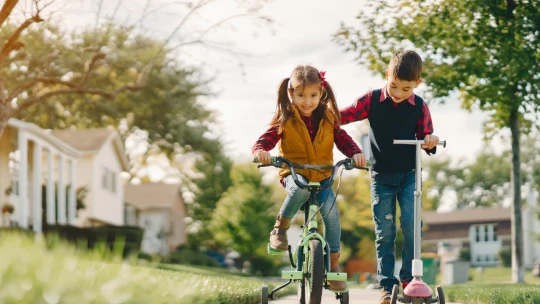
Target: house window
105,178
477,230
486,233
108,179
494,233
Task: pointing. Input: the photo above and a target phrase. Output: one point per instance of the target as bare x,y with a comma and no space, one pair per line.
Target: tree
211,182
485,50
243,216
31,75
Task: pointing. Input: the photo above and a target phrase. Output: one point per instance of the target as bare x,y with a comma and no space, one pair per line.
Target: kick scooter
417,292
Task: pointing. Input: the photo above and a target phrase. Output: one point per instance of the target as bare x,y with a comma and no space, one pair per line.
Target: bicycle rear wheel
315,279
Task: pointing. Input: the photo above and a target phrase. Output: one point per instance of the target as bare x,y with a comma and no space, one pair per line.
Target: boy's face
306,98
399,90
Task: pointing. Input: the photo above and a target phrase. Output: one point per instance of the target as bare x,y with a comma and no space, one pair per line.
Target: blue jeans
385,189
296,197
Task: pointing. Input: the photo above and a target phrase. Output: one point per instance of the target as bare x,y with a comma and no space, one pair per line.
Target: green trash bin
430,269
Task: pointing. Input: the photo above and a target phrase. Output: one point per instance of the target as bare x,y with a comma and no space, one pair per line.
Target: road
357,296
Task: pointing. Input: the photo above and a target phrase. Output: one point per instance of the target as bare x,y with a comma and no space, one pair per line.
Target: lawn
493,286
30,272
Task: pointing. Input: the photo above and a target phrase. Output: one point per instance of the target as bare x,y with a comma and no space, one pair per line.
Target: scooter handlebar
415,142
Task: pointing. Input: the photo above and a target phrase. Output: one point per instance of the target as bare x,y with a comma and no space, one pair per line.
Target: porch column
61,192
72,210
36,189
23,179
51,202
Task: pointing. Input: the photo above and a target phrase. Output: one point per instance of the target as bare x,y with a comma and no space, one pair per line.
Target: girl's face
306,98
400,90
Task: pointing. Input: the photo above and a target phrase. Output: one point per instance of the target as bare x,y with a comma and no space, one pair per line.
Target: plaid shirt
359,110
343,141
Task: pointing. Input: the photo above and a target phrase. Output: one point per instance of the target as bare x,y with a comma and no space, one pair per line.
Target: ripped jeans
385,189
296,197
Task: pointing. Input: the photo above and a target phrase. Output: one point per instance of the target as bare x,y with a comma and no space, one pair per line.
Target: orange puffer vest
296,146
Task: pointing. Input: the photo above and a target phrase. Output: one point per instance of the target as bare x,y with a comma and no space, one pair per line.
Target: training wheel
264,294
440,295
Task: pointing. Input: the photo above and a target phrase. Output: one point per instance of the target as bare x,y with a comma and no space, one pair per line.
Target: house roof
40,133
151,195
475,215
90,141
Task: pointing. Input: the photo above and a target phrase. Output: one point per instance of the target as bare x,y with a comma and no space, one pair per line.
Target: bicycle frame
300,259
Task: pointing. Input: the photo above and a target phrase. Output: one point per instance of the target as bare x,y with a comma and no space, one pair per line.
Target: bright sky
302,33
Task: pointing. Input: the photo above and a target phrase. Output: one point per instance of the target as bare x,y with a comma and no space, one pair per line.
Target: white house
30,158
160,210
103,159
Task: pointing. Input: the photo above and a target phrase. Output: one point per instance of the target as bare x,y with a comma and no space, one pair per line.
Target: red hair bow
323,79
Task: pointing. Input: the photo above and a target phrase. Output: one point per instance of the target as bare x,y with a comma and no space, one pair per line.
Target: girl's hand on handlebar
359,159
264,157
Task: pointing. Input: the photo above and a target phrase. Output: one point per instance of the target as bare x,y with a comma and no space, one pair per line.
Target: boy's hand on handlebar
264,157
359,159
430,141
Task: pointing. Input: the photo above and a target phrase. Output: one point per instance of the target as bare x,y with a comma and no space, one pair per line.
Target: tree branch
78,90
12,42
6,10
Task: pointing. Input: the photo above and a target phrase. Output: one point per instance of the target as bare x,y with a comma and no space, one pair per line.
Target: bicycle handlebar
277,161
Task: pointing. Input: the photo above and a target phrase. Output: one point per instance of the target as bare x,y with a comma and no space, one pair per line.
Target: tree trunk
5,114
518,271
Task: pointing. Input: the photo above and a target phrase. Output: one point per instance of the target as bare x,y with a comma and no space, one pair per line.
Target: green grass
31,273
494,286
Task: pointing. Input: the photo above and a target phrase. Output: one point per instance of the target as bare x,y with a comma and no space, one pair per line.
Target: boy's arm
358,110
345,143
267,141
425,127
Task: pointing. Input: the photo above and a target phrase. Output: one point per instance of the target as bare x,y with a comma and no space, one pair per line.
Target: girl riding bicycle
306,125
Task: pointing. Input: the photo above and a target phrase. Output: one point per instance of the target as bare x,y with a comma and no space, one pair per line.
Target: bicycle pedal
336,276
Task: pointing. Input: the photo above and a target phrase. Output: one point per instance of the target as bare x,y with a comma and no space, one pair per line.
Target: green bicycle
310,260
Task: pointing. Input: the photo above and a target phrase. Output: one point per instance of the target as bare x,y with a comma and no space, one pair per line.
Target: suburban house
160,210
483,230
102,160
29,159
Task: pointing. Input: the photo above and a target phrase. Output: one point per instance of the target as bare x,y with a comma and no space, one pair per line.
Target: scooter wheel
395,293
264,294
440,295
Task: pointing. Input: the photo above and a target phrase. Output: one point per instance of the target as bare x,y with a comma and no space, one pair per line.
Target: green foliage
190,257
465,254
209,185
63,275
492,294
485,50
243,217
505,255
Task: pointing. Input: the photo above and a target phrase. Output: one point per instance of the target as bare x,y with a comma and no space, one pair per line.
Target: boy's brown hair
405,65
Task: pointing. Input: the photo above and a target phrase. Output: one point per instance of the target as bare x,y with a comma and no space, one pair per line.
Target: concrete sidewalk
356,296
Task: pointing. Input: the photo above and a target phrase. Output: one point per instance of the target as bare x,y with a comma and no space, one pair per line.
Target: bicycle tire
315,278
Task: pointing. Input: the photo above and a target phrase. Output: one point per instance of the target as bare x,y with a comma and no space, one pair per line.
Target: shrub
505,255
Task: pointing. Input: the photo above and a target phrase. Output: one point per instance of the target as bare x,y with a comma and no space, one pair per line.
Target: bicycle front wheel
315,277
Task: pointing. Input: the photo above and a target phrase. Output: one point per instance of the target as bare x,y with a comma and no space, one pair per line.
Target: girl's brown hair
301,76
